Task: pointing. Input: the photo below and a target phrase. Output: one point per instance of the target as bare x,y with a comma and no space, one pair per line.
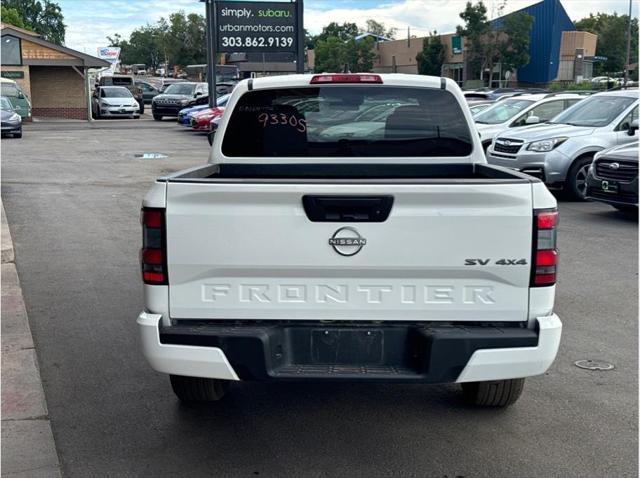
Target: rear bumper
374,352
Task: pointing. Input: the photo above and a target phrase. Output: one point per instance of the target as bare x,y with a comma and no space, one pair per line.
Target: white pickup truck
346,228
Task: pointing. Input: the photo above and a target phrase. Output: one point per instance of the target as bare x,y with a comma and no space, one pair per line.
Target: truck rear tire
498,393
157,117
196,389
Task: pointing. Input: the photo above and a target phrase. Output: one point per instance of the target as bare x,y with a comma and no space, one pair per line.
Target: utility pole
300,26
626,65
211,50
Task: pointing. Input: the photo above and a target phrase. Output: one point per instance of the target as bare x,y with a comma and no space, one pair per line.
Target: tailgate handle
347,208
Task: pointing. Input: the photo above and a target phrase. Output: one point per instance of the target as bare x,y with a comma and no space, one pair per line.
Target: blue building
550,20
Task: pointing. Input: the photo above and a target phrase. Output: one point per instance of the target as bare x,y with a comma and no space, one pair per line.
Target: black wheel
577,178
196,389
157,117
18,134
498,393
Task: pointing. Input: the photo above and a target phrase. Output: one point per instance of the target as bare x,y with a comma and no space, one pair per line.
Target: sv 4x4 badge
499,262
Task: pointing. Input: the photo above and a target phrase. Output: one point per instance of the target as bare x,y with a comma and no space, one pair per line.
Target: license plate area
608,186
347,346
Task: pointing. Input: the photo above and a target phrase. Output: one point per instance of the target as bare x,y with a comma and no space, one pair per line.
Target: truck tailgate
446,252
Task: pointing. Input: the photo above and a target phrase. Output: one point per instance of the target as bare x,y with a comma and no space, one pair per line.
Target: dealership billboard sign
109,53
256,27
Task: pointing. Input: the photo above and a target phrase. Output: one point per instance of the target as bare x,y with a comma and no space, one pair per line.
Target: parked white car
521,110
399,257
114,101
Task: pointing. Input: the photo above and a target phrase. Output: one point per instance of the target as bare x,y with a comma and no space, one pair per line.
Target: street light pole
626,65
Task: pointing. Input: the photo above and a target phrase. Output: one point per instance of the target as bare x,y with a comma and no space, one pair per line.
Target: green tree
344,32
378,28
335,55
42,16
612,40
515,37
179,40
475,28
363,55
431,57
11,16
505,41
330,55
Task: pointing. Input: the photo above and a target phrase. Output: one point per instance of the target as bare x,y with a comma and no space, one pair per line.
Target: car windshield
502,111
347,121
595,111
5,105
181,89
115,92
8,89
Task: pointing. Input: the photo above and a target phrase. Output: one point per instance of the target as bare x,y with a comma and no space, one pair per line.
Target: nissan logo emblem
347,241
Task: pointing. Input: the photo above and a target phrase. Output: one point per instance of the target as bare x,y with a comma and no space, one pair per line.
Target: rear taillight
153,256
345,78
545,252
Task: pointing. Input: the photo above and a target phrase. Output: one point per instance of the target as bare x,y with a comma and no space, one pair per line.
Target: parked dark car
613,177
176,97
149,91
11,121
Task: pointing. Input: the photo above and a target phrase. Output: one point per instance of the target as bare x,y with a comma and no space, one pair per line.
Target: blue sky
90,21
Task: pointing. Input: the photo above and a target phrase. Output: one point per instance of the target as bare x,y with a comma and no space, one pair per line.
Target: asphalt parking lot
72,194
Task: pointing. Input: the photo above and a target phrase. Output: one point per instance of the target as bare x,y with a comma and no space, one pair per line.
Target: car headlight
184,102
104,103
14,118
546,144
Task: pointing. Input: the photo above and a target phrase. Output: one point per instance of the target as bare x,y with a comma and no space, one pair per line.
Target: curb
28,448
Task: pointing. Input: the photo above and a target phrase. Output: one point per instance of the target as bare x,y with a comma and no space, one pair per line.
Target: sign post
252,27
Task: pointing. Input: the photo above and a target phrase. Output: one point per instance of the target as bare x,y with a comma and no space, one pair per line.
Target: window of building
11,54
456,44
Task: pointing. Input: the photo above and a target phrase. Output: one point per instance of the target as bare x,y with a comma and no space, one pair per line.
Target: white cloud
421,16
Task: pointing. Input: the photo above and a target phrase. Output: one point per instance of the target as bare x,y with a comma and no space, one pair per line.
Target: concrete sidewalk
28,449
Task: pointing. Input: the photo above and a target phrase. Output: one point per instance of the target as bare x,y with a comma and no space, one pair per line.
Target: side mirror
633,128
532,120
198,93
20,95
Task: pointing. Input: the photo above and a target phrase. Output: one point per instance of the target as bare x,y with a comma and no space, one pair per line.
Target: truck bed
467,173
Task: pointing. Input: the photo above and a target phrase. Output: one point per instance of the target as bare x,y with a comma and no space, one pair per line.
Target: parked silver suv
561,150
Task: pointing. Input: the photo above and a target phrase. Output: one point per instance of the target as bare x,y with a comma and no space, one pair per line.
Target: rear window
344,121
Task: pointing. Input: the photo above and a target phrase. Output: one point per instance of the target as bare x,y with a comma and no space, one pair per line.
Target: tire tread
498,393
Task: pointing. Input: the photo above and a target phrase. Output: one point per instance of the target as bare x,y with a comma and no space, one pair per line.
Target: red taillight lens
152,218
345,78
545,254
546,258
153,253
547,219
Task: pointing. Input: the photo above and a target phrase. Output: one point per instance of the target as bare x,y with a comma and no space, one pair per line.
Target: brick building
53,77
